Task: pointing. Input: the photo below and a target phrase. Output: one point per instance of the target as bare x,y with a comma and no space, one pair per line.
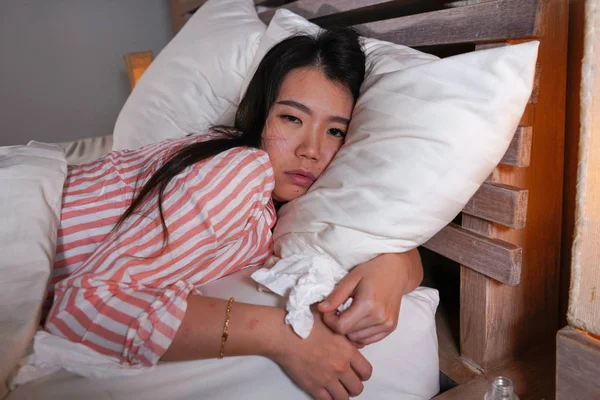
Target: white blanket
31,181
405,364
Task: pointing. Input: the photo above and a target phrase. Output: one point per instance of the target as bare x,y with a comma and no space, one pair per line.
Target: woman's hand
325,365
377,287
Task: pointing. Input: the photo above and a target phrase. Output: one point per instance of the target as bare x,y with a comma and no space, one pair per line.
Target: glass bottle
501,389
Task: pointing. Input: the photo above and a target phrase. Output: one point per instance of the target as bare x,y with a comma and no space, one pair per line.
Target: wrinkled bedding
405,364
31,179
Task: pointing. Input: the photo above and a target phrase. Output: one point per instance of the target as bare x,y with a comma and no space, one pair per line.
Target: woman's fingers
365,323
352,383
322,394
374,339
340,293
338,391
358,345
363,334
355,318
362,367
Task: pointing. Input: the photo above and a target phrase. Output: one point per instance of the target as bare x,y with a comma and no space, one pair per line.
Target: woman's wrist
278,337
409,267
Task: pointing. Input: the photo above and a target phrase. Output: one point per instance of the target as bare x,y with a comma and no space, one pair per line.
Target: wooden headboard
507,241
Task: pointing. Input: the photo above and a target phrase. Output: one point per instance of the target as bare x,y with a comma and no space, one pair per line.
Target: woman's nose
310,147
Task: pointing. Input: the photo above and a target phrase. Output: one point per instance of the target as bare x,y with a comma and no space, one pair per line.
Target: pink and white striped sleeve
129,298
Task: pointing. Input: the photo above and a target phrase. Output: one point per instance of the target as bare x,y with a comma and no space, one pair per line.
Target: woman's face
306,126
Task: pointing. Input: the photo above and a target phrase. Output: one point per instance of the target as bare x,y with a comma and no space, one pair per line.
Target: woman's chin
288,193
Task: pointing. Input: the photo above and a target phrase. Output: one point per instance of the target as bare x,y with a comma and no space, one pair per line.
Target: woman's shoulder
249,153
243,161
238,173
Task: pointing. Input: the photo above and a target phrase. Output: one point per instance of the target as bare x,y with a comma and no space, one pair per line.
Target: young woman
127,272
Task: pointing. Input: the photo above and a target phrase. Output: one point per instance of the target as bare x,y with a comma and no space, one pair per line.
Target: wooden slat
312,9
493,45
271,3
475,324
352,12
577,365
361,11
485,22
519,151
503,204
494,258
186,6
535,92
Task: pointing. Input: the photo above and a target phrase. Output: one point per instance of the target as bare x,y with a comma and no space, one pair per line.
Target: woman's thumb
340,293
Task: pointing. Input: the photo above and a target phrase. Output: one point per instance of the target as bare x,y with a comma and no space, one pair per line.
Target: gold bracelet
226,328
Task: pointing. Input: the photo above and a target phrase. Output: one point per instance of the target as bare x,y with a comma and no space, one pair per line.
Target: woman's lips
300,177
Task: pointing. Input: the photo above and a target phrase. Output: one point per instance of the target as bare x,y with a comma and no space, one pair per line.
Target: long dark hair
336,52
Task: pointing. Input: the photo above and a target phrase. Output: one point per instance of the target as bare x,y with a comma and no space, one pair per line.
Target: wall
62,75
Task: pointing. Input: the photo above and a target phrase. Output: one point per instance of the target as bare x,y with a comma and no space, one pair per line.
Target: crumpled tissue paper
304,279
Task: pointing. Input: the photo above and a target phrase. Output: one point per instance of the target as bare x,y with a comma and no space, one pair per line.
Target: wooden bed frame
506,245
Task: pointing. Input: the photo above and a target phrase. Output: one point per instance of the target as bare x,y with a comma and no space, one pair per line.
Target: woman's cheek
330,153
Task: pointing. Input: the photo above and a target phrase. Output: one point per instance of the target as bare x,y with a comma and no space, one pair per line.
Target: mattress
405,364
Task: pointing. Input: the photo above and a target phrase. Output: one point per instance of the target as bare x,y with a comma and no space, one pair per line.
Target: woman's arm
377,287
410,263
253,330
325,365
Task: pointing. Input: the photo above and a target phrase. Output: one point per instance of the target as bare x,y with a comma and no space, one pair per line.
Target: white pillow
31,182
424,135
196,80
405,364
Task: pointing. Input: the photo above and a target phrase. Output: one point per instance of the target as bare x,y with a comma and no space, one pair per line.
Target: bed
499,262
497,265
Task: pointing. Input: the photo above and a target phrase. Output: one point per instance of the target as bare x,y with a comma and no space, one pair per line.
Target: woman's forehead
311,87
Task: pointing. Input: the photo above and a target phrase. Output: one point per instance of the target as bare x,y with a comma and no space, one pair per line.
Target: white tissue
305,279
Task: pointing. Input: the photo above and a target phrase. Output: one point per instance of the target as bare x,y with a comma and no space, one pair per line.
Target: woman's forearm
409,264
253,330
323,360
416,269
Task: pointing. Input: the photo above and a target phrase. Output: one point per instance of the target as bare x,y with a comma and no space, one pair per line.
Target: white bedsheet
31,181
405,364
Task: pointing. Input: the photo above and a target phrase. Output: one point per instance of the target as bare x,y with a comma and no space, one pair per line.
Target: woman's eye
291,118
337,133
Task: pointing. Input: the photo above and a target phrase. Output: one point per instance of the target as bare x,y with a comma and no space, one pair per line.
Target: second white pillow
424,135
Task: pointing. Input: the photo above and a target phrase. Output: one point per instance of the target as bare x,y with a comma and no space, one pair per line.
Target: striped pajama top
122,293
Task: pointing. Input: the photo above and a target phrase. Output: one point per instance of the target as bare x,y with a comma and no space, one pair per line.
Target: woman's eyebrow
341,120
307,110
297,105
